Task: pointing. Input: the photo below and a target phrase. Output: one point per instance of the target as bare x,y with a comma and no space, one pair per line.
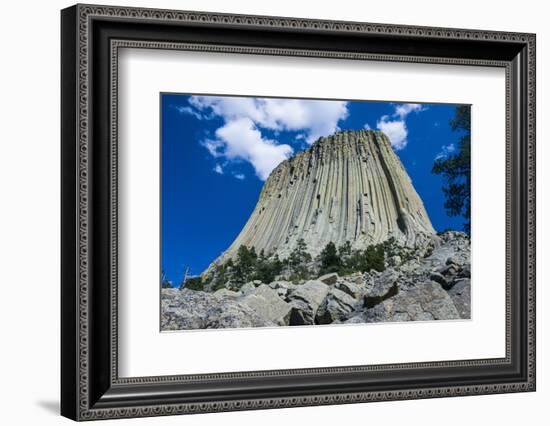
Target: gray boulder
329,279
357,319
282,288
465,271
337,306
267,304
424,302
460,295
189,310
381,288
235,315
351,288
441,280
356,278
305,301
247,289
224,292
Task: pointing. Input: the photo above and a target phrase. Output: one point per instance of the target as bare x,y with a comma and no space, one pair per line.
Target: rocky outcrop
381,288
267,304
460,295
305,301
350,186
433,285
424,302
188,310
337,306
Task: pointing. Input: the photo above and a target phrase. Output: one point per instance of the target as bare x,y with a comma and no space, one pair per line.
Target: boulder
441,280
356,278
354,290
230,314
337,306
395,260
329,279
305,301
224,292
267,304
381,288
454,260
460,295
465,271
247,289
424,302
190,310
282,288
357,319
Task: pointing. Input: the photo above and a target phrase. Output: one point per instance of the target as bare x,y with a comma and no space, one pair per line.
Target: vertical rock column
347,187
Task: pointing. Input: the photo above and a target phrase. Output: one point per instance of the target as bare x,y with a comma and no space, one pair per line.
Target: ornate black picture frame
90,38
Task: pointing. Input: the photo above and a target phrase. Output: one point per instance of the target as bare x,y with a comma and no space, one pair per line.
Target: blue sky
218,151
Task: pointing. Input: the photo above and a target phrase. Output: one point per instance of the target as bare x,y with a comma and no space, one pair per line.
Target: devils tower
350,186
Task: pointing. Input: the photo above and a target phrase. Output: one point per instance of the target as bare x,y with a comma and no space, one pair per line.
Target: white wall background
29,212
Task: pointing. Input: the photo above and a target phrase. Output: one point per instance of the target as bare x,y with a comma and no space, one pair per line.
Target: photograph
280,212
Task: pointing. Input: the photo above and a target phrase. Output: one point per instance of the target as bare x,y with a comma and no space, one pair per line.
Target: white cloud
239,176
395,126
395,130
241,140
315,118
367,127
402,110
446,150
214,147
188,110
218,169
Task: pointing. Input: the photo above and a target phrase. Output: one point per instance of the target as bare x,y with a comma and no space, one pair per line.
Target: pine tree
456,169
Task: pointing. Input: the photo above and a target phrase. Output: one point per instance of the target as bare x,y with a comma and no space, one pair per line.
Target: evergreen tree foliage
456,169
298,261
193,283
330,259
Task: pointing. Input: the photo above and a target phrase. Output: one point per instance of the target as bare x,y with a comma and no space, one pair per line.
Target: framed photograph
263,212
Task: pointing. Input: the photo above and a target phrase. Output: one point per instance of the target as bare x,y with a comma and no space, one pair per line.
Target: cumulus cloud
312,117
395,126
218,169
395,130
239,176
240,137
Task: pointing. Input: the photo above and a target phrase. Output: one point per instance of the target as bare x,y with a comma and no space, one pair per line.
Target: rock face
350,186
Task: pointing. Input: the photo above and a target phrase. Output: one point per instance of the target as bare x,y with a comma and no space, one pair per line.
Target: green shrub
193,283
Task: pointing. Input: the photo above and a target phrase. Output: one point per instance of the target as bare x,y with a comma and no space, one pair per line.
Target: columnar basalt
350,186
